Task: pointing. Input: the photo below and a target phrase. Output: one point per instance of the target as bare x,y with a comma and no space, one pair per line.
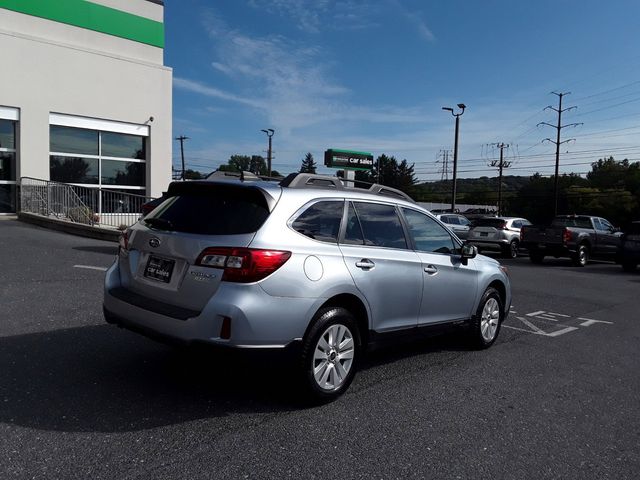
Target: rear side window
374,224
321,221
579,222
211,211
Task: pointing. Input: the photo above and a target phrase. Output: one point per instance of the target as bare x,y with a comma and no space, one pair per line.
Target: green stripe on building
84,14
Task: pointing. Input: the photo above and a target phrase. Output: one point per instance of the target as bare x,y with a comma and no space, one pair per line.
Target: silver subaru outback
307,265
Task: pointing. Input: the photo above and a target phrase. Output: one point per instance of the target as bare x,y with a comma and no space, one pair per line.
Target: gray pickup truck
578,237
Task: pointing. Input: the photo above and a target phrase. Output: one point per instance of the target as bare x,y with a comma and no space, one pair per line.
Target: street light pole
269,132
461,106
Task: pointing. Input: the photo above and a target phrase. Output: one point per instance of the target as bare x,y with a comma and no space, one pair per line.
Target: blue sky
374,75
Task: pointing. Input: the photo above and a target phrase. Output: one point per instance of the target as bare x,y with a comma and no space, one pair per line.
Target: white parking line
91,267
591,321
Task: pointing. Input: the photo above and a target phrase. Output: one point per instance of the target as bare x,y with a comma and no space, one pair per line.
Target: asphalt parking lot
555,397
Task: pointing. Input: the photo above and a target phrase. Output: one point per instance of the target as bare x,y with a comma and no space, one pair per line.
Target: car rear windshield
579,222
489,222
211,210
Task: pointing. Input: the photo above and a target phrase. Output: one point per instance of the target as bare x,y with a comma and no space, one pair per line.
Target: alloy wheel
333,357
490,319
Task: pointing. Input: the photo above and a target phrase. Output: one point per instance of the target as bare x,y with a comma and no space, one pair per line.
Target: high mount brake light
243,265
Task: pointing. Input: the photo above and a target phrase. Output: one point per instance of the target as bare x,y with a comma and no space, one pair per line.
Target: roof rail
243,176
388,191
311,180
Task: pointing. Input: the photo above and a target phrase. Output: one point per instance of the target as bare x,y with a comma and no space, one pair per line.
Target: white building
85,97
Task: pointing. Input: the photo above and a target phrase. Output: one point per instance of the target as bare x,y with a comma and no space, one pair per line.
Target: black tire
511,250
325,320
480,334
629,267
581,257
536,257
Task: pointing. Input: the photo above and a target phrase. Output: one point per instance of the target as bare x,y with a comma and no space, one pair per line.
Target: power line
557,142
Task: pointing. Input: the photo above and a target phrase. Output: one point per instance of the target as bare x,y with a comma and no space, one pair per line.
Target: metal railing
93,206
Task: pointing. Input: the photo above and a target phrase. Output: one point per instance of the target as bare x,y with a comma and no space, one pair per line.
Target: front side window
428,235
374,224
321,221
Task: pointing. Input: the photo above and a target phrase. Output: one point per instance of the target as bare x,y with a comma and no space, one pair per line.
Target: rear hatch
167,252
488,229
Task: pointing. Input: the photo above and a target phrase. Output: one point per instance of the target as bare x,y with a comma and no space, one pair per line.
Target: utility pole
500,164
181,139
443,157
461,106
557,142
269,132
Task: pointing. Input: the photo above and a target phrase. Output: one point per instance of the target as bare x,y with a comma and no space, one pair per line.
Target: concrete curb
70,227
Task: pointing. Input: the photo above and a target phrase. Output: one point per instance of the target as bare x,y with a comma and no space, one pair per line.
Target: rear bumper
258,321
290,350
552,250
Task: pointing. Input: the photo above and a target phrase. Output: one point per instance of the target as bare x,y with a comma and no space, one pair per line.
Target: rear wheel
581,257
488,319
511,250
330,353
535,256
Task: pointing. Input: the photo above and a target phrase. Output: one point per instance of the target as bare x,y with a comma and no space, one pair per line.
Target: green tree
308,164
190,174
244,163
387,171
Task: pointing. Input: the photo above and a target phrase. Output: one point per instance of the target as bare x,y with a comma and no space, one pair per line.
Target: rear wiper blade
160,223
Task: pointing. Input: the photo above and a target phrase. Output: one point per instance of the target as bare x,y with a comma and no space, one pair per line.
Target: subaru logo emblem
154,242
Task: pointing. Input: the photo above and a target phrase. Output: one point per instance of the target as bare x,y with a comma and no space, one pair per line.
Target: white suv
306,265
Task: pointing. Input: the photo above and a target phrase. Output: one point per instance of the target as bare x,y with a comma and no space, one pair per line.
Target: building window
7,165
93,157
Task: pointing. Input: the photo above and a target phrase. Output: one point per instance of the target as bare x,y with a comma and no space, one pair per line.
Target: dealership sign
347,159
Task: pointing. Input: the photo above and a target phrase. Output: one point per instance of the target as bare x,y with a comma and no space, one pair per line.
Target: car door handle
365,264
431,269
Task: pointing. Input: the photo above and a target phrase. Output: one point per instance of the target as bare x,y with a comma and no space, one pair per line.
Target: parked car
458,223
306,266
474,213
578,237
497,233
628,254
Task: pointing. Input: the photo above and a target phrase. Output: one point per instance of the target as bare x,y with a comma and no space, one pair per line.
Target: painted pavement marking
91,267
552,316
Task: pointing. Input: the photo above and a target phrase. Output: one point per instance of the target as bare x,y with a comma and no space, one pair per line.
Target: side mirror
467,252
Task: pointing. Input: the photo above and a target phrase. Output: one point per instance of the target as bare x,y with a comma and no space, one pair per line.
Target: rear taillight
566,236
123,243
243,265
502,226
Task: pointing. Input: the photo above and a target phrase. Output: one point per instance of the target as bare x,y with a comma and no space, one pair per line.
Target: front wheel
488,319
330,353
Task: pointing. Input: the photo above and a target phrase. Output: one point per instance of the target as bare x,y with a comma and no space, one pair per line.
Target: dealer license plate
159,269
